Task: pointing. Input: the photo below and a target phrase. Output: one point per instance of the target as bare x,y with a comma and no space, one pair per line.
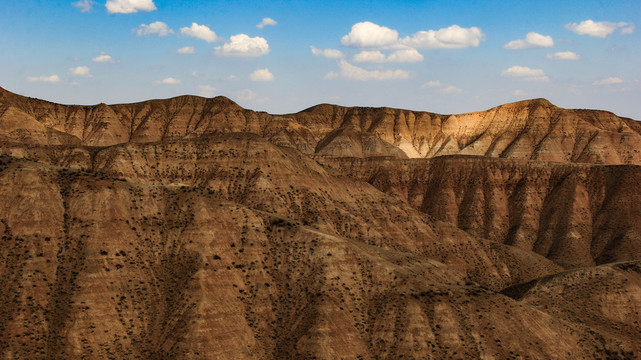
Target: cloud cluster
350,71
369,35
266,22
525,73
563,55
262,75
81,71
608,81
242,45
157,28
532,40
43,78
328,53
129,6
453,37
84,5
600,29
202,32
399,56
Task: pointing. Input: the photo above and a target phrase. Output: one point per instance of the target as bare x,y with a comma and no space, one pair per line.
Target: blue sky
284,56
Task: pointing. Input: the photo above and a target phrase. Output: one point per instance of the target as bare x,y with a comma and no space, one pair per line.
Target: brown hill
192,228
531,130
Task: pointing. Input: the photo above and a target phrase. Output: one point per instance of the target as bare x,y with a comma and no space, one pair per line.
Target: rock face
191,228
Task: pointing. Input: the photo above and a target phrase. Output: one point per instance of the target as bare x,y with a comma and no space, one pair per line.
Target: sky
285,56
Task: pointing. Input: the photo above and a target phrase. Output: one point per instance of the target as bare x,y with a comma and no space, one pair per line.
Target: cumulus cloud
328,53
207,90
168,81
81,71
608,81
129,6
242,45
525,73
186,50
370,56
261,75
368,34
450,90
563,55
350,71
84,5
104,58
532,40
157,28
43,78
399,56
600,29
453,37
201,32
266,22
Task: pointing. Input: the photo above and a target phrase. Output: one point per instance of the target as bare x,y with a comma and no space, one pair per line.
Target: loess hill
192,228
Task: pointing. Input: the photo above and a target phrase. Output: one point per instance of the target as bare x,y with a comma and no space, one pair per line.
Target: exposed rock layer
191,228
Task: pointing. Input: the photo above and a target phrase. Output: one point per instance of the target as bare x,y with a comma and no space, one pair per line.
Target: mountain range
192,228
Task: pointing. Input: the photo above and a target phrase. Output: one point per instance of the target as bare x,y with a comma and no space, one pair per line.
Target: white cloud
207,91
328,53
368,34
519,92
157,28
84,5
201,32
186,50
525,73
129,6
104,58
431,83
399,56
405,56
81,71
532,40
600,29
43,78
261,75
266,22
331,75
563,55
608,81
168,81
370,56
242,45
453,37
450,90
246,95
350,71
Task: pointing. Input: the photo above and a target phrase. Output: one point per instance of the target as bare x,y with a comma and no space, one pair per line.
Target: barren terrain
192,228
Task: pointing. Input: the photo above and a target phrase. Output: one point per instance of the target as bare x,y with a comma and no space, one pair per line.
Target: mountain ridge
530,129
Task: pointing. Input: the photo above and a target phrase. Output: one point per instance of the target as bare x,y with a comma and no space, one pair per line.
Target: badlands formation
191,228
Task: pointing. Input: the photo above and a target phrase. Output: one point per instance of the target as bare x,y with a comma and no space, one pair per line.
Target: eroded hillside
191,228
